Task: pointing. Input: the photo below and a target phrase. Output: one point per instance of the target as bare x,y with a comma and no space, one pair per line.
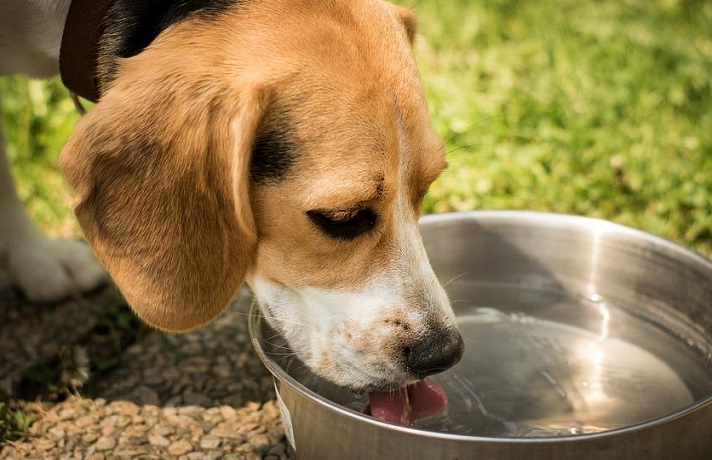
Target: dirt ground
98,384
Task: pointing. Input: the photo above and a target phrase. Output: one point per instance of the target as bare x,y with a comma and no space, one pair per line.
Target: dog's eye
343,224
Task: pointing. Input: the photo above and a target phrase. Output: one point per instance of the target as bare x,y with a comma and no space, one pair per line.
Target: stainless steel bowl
584,340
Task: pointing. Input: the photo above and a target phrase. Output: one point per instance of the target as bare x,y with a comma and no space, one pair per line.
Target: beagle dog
285,143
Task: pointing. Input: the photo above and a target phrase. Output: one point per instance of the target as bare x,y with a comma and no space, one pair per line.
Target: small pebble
90,437
56,433
180,447
156,440
209,442
105,443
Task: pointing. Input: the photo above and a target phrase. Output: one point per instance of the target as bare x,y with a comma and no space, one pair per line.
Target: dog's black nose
439,351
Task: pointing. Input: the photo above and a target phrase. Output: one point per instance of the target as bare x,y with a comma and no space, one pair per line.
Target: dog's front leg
44,269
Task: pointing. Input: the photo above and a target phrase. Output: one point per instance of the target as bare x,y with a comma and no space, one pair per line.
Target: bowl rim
592,223
255,317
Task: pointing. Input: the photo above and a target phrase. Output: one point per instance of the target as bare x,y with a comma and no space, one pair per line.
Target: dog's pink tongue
407,404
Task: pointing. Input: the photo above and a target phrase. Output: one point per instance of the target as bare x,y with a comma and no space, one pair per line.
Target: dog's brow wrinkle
357,194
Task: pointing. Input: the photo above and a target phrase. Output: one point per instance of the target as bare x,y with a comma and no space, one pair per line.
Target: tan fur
160,166
352,157
161,182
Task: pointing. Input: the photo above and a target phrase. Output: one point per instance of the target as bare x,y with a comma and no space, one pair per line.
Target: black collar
80,47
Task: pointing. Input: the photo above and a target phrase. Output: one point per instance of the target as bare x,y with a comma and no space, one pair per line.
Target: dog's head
287,144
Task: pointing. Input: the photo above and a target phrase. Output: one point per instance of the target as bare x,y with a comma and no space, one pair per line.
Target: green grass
594,107
600,108
39,116
14,422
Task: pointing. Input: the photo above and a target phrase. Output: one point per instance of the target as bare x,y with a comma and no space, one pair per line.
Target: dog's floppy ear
160,168
409,21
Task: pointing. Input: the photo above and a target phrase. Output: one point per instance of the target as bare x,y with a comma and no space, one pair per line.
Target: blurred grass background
593,107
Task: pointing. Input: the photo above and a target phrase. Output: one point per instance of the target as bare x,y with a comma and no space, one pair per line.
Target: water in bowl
541,363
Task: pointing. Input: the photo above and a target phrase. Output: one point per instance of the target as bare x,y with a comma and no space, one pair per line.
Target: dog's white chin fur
344,336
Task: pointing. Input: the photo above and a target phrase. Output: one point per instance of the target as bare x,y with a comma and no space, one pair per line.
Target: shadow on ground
94,382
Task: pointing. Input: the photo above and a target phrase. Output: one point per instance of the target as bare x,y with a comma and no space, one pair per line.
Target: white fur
349,326
317,322
46,270
30,36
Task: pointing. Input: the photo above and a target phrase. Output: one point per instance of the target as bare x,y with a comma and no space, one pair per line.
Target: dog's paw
50,270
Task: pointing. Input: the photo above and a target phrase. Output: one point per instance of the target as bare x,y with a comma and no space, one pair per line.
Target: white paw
51,270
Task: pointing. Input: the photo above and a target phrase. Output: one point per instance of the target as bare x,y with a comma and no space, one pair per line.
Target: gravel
198,395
